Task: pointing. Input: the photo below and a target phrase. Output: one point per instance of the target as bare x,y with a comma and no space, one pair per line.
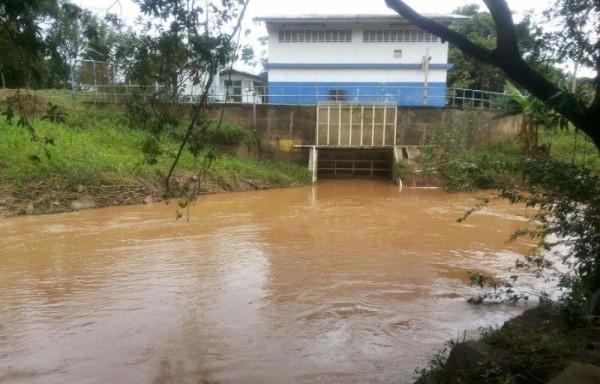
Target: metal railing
312,95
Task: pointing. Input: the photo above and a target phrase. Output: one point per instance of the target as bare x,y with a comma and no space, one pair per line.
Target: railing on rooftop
312,95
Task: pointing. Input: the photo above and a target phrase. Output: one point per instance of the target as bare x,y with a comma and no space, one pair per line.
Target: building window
338,95
233,89
398,36
315,36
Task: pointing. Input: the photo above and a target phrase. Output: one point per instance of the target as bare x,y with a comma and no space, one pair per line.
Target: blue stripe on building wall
310,93
355,66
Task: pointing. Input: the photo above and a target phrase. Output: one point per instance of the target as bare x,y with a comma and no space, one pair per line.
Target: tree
76,33
581,21
469,73
21,35
196,43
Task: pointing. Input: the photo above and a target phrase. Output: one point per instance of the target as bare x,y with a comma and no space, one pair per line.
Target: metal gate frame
345,112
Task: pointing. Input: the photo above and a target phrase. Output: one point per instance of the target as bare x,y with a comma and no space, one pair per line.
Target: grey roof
241,73
390,18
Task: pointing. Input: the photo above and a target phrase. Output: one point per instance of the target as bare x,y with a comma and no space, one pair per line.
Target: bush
450,155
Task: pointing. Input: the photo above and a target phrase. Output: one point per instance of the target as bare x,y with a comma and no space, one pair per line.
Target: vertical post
384,122
317,130
574,81
313,161
373,128
362,123
350,127
426,60
339,123
254,111
73,81
395,125
328,120
95,82
114,68
108,79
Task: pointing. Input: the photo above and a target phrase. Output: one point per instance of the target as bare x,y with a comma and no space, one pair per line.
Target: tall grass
95,149
574,147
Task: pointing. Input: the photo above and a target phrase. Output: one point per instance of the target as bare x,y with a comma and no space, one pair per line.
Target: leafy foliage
568,216
186,52
535,115
566,224
577,32
449,154
469,73
21,35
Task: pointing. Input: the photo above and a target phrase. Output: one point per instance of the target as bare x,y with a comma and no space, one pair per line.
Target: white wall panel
344,75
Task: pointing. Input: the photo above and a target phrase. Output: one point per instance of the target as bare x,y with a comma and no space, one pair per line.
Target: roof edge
391,17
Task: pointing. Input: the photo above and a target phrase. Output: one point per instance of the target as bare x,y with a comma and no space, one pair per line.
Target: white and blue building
355,58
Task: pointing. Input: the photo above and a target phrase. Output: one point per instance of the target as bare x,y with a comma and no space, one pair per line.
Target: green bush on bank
452,158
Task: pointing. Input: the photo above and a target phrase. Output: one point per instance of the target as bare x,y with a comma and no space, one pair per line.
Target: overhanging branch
506,36
439,30
506,56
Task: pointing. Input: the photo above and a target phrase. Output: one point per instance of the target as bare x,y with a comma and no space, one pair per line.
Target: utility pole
574,81
425,66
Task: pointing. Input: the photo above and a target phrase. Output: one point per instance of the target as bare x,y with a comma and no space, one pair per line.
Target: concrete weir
352,163
343,162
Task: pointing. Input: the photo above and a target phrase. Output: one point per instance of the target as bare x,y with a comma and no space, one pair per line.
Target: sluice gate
355,141
355,163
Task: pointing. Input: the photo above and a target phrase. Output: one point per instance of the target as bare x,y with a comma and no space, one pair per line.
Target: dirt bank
45,198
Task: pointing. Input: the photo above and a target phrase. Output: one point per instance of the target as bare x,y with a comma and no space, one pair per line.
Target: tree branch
439,30
506,37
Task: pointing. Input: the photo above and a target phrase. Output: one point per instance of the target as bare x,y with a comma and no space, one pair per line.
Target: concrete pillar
313,161
397,158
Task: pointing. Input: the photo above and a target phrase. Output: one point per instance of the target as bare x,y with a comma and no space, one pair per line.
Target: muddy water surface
345,282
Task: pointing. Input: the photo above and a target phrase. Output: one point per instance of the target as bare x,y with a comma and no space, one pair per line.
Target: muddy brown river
345,282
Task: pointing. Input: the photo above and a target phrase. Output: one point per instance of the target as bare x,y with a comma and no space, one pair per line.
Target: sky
272,7
128,10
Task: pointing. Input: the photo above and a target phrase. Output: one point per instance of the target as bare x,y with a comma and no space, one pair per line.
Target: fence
94,81
401,96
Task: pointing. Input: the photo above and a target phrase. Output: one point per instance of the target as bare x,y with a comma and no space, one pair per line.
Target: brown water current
345,282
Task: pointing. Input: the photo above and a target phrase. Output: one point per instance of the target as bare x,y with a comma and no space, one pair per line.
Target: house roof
364,18
241,73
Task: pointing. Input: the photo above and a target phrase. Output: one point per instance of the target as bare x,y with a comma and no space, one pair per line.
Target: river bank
57,196
93,159
538,346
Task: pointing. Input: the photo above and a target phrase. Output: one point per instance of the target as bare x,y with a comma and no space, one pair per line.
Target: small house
240,87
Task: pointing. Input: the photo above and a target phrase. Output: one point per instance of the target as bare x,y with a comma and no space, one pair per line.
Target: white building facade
355,58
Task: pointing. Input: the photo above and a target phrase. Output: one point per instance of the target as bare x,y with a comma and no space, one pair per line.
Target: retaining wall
280,127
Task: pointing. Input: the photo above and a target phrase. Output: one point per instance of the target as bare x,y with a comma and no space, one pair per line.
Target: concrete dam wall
281,129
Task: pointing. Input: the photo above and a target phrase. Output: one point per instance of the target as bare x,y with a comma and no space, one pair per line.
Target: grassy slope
96,155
